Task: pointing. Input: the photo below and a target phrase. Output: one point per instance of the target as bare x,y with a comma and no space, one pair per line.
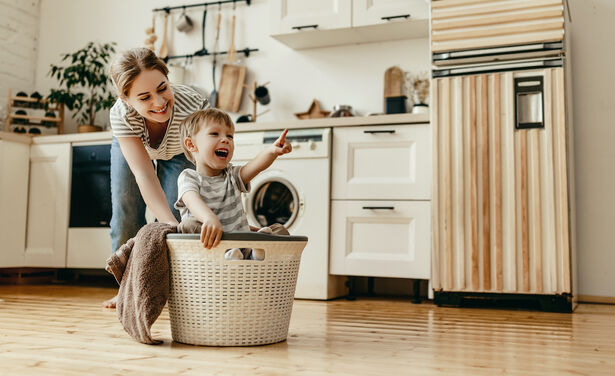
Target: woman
146,152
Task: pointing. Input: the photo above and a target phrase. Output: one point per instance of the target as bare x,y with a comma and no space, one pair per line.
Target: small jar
341,110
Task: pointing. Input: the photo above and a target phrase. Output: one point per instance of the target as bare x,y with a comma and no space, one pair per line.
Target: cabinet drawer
470,24
371,12
393,241
382,163
291,16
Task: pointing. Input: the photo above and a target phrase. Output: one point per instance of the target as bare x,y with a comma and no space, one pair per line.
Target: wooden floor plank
62,330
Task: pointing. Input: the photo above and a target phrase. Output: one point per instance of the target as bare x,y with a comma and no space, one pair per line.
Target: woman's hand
211,232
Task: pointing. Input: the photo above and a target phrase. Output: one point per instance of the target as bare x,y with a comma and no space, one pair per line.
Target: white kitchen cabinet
298,15
48,205
372,12
319,23
381,238
382,162
380,208
14,165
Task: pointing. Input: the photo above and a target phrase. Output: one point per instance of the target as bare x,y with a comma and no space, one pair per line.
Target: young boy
212,193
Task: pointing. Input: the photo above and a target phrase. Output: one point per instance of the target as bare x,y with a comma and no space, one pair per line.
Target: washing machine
294,191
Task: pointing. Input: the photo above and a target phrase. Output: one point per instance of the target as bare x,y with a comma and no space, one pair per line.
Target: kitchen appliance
294,191
90,195
89,243
503,210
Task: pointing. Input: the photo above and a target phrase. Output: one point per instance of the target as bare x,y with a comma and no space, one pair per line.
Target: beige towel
144,282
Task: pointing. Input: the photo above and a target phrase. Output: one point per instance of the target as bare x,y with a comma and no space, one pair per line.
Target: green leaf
80,71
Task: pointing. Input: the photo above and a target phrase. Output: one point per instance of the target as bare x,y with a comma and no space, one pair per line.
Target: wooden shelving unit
15,103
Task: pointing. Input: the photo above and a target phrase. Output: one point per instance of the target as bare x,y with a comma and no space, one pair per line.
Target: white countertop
240,127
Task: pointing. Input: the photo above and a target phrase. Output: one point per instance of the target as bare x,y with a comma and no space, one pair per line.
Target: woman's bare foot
110,303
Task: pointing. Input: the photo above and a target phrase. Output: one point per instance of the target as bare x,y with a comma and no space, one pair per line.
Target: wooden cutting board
230,92
393,82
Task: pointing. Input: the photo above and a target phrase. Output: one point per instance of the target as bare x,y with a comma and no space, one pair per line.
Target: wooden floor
46,330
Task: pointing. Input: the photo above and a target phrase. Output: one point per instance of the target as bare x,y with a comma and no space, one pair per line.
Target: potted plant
84,83
418,86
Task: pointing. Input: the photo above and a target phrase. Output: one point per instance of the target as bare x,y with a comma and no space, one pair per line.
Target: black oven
90,198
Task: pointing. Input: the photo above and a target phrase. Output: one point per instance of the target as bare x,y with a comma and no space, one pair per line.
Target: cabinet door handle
305,27
389,18
380,131
379,208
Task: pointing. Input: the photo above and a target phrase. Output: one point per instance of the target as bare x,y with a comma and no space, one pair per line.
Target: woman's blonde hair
125,68
193,123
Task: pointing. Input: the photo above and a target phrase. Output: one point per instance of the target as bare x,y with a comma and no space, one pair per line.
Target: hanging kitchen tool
203,50
232,80
151,34
213,98
230,92
164,48
183,23
176,73
231,57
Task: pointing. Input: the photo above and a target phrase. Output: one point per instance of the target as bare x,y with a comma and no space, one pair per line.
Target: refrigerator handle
529,102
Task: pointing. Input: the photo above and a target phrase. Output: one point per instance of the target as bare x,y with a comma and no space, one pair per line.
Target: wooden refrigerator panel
469,24
500,199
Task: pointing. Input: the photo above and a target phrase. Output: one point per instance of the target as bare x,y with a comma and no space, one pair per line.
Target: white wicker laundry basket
218,302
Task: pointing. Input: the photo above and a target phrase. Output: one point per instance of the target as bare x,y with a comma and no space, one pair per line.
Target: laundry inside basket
255,254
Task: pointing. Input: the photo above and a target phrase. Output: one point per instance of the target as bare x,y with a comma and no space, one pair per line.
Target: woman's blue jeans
127,205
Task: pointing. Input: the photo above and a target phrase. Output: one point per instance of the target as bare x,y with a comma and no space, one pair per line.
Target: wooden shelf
27,99
59,120
41,118
355,35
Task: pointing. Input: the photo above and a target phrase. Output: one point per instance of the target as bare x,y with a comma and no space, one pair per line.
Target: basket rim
244,236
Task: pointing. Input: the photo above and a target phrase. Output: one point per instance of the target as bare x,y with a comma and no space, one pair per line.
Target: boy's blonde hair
125,68
192,124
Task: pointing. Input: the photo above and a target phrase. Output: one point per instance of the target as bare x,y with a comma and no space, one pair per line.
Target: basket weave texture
218,302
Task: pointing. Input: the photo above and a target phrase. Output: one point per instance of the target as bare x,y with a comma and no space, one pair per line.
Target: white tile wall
19,25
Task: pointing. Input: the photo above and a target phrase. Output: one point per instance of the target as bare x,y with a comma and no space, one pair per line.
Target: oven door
90,202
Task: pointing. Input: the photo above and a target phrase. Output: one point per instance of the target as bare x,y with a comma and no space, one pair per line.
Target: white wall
593,58
19,20
338,75
353,75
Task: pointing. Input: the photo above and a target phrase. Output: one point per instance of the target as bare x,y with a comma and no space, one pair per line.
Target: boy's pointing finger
282,139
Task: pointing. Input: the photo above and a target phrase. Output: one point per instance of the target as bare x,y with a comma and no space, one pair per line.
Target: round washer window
275,201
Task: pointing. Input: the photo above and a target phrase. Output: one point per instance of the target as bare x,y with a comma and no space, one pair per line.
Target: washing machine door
273,200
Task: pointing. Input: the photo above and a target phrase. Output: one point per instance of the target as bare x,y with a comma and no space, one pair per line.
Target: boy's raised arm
265,158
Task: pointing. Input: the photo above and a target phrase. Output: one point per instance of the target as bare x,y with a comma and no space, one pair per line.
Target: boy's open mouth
222,153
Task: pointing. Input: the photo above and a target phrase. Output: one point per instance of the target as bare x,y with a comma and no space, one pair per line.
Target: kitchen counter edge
240,127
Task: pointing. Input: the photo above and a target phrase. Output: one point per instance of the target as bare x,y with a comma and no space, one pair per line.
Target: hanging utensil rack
168,9
246,51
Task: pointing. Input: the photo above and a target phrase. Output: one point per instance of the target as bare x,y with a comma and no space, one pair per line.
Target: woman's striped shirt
126,122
